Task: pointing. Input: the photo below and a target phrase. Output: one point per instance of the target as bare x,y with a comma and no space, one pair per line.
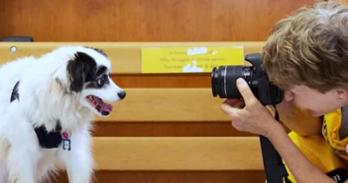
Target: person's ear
342,94
288,95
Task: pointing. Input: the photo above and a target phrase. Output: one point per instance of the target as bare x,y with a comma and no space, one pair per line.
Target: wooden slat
189,154
168,104
182,80
242,176
126,57
166,129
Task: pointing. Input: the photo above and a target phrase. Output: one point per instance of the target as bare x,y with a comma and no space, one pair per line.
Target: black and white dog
47,104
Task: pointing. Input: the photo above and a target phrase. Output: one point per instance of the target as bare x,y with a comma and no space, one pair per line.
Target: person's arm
255,118
303,170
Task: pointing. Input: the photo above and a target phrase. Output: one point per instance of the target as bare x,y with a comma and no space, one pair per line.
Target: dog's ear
81,69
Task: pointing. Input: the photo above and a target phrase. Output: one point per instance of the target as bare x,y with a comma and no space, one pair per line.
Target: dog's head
88,75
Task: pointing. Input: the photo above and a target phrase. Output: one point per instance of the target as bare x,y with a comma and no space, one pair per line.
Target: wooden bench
169,128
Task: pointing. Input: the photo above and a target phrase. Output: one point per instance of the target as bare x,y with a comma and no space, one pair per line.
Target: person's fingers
227,109
237,125
231,111
234,102
245,91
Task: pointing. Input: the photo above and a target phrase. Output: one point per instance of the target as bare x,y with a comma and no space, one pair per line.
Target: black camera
223,81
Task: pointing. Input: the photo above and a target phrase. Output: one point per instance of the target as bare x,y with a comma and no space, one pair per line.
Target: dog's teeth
105,113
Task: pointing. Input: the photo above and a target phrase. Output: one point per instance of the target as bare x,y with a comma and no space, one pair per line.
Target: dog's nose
121,94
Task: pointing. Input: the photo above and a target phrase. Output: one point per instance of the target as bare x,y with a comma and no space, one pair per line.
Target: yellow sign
189,59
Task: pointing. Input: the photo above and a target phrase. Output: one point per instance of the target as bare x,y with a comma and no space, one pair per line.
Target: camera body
223,80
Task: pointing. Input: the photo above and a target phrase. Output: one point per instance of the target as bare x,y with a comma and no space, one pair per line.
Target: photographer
307,57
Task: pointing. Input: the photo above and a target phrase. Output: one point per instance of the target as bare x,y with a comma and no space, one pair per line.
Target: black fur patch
15,94
101,70
49,139
81,69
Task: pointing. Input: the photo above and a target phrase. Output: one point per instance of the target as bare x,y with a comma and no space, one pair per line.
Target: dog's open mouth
102,107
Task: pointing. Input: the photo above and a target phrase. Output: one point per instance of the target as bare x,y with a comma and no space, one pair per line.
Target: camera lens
223,80
216,81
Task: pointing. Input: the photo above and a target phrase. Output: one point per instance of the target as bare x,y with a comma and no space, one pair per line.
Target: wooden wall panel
143,20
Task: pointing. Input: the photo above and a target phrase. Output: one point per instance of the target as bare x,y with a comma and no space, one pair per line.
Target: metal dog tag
66,141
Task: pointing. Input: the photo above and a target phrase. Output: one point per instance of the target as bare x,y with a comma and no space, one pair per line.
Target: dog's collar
54,138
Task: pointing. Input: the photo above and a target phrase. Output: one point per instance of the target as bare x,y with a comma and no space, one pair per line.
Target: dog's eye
101,82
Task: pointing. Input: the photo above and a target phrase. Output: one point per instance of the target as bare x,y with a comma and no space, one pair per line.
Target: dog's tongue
103,107
106,109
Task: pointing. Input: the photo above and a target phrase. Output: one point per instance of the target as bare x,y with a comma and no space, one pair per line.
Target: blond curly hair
309,48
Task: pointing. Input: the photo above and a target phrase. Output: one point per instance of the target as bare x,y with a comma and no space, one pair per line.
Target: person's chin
316,113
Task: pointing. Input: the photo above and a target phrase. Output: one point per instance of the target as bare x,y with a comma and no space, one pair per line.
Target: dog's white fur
44,98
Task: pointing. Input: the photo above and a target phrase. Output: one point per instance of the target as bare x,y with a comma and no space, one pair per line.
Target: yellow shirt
328,153
331,128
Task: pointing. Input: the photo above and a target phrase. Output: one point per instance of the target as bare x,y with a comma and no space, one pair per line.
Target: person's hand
250,115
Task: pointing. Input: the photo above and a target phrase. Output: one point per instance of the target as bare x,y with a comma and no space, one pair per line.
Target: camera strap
274,167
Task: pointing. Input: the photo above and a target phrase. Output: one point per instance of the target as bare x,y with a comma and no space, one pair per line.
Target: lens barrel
223,80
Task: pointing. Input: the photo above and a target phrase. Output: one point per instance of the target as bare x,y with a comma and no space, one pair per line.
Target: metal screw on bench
13,49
